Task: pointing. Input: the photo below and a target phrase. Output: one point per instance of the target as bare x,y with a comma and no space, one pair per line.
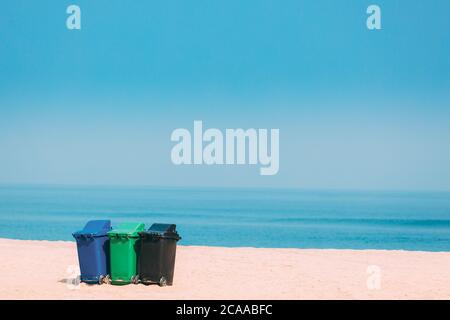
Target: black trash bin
157,254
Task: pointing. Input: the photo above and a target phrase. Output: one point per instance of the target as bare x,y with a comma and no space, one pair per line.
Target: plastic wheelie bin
93,251
157,254
124,248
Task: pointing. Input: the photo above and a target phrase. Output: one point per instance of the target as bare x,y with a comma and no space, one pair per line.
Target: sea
237,217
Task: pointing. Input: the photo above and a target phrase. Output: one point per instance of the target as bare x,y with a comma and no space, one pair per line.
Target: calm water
238,217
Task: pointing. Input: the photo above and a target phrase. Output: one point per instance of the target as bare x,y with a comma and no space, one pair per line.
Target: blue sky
357,109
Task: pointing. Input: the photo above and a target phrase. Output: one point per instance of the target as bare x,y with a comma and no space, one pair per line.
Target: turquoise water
238,217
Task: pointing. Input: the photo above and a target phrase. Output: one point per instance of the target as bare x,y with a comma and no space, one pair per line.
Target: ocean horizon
237,217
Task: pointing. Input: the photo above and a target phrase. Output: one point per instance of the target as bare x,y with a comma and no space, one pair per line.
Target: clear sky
356,109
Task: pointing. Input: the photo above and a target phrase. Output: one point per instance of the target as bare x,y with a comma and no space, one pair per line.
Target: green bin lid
130,229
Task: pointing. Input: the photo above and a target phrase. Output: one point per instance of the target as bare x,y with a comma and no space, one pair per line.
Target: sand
48,269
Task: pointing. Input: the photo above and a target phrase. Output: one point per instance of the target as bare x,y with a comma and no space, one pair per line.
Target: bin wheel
107,279
162,282
135,279
101,279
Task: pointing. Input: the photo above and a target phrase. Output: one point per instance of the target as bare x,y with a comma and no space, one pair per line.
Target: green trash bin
123,251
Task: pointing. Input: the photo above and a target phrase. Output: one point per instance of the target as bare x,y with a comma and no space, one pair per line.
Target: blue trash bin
93,251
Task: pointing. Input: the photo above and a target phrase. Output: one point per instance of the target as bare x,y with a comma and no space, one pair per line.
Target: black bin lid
161,230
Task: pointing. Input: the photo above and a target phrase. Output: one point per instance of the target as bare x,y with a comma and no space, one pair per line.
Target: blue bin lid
94,228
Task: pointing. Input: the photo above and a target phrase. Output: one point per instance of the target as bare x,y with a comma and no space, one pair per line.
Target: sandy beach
48,270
